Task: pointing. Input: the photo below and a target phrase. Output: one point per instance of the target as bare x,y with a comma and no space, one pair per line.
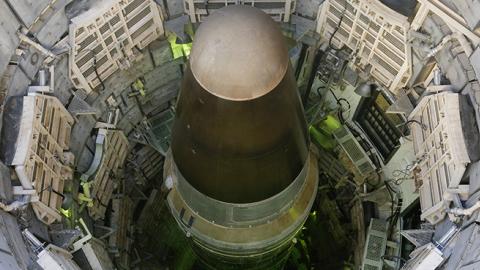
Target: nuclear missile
241,173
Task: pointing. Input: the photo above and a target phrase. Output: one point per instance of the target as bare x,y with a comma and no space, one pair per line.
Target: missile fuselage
244,177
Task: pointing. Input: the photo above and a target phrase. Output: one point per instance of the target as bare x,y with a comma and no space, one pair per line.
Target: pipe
437,76
464,212
12,206
440,244
26,196
34,240
467,48
42,80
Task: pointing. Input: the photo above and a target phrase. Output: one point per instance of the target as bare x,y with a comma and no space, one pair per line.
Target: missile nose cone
239,53
239,133
243,175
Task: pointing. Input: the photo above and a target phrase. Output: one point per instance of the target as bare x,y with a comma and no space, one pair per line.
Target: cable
395,207
96,71
401,175
405,125
318,90
95,68
422,125
341,111
390,193
317,112
336,29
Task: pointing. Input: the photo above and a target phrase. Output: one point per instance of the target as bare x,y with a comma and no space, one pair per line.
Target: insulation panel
119,241
108,37
41,159
440,146
279,10
376,34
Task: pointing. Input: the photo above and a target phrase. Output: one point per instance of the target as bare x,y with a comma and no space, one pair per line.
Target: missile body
243,176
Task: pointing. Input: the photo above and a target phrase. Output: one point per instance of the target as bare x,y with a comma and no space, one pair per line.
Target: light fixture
365,89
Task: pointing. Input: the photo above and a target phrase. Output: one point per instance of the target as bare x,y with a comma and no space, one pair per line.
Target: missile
242,173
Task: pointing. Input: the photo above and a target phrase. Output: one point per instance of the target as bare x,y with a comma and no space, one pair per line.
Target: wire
336,30
341,111
394,209
405,125
390,193
422,125
333,34
318,90
317,112
96,71
95,68
330,44
401,175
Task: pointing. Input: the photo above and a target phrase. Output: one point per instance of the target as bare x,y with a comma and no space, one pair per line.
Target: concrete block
19,83
91,97
5,183
164,93
475,61
432,28
121,79
169,72
84,160
177,25
452,68
31,62
474,177
468,9
90,144
464,61
12,244
134,116
472,90
304,24
63,85
161,96
126,102
81,131
125,125
54,29
467,66
445,29
174,7
458,247
308,8
471,75
8,35
161,52
28,10
35,226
